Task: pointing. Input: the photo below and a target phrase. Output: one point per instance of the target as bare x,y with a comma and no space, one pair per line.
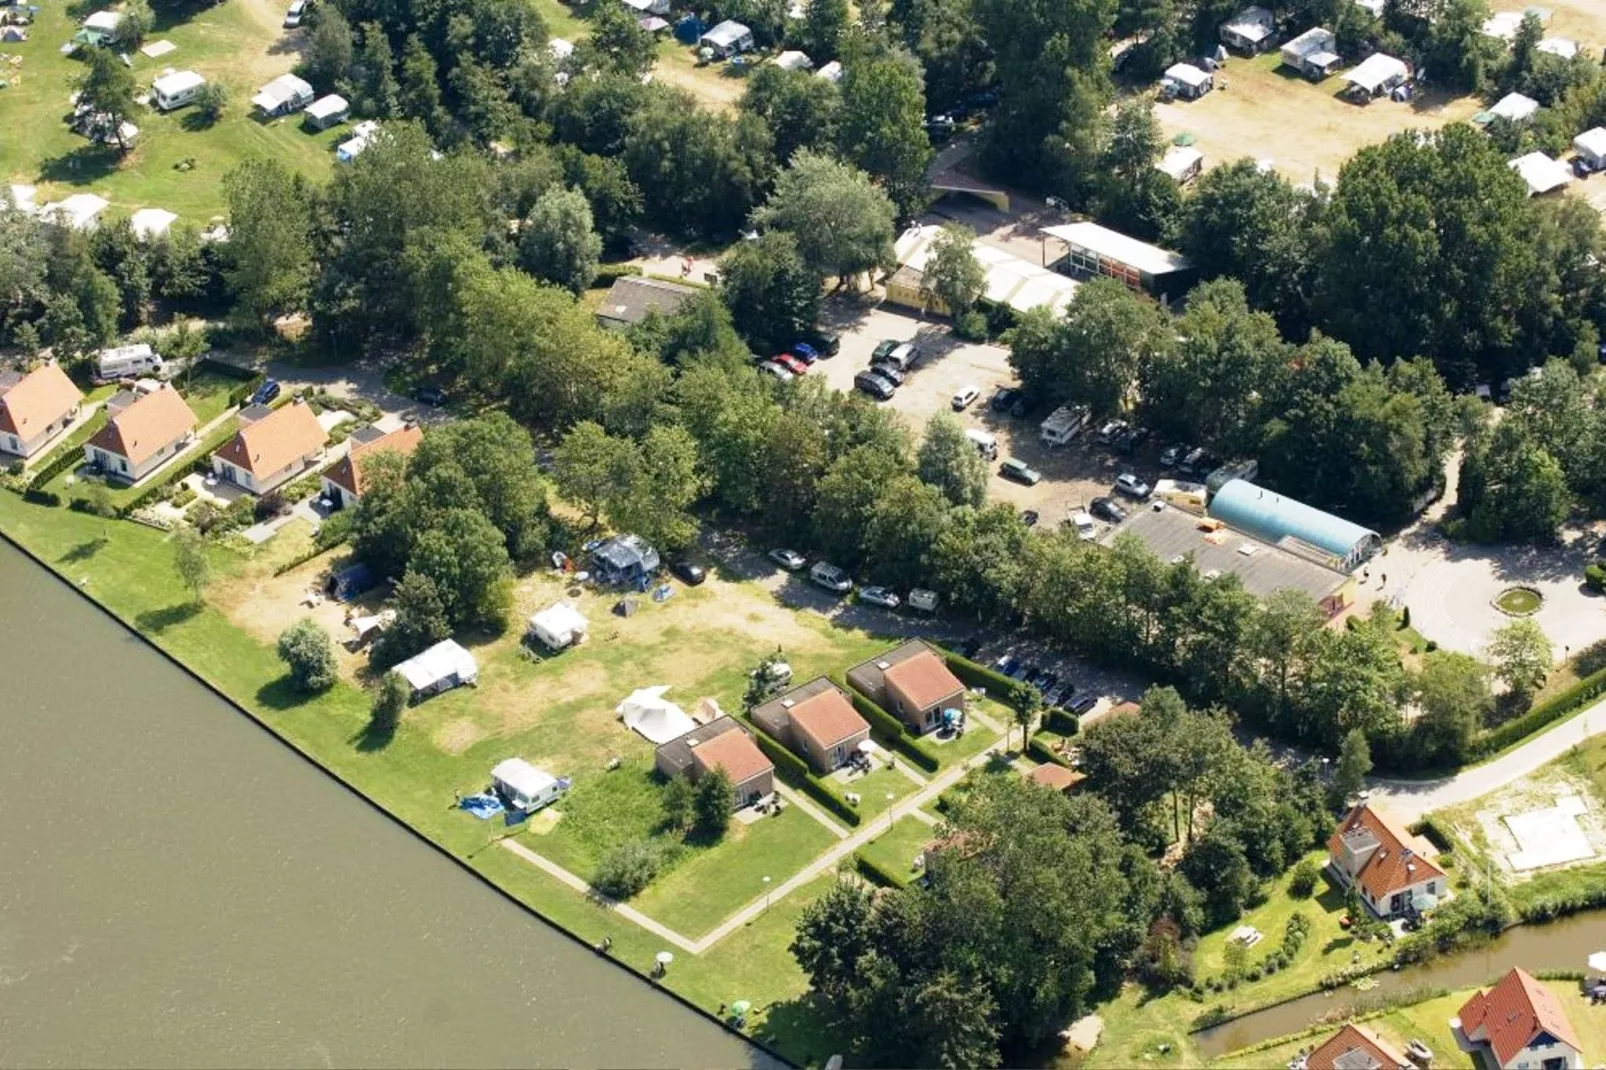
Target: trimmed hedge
1519,728
792,768
65,461
1064,722
891,731
226,370
1044,753
879,873
242,393
1429,829
972,674
41,497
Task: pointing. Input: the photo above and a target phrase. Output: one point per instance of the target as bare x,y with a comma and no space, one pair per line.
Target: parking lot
1073,475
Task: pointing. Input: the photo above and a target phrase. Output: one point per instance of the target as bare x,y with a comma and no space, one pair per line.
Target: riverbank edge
395,818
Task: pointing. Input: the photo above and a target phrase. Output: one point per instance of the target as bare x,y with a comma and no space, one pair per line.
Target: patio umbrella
1183,140
1597,962
664,958
1424,901
741,1007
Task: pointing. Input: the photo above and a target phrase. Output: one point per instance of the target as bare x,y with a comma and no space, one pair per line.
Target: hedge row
795,770
879,873
891,731
1517,729
1044,753
41,497
64,461
1430,830
1064,722
996,684
226,370
242,393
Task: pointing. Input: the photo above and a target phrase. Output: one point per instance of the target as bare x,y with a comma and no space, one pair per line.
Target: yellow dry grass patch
458,735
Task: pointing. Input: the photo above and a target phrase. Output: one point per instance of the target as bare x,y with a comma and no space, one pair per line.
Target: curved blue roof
1273,517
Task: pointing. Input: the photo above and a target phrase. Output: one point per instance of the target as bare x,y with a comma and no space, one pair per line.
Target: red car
791,364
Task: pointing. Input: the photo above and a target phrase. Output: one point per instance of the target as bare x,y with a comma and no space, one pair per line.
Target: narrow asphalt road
1410,799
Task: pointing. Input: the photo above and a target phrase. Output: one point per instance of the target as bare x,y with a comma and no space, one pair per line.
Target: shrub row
225,370
879,873
996,684
1559,906
41,497
64,461
242,393
795,770
1554,709
1044,753
608,274
890,731
1064,722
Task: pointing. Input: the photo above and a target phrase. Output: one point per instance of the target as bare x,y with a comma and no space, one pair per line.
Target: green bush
182,497
608,274
1064,722
1595,576
880,874
41,497
1044,753
1303,882
628,868
1541,715
972,327
65,461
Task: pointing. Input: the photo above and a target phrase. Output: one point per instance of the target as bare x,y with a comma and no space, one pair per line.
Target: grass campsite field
238,43
557,712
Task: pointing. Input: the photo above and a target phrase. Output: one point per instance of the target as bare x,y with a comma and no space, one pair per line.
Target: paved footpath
624,910
1410,799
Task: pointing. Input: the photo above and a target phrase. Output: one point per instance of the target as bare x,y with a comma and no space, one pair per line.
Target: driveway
363,379
1410,799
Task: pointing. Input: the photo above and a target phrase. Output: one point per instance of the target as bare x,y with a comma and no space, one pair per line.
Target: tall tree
841,222
952,273
824,23
559,243
772,292
802,111
1522,657
698,173
108,91
194,568
306,648
882,128
950,462
1354,762
270,261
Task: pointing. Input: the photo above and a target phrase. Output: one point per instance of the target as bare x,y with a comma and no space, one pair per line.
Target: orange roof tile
735,753
347,472
158,419
1353,1038
39,399
1395,865
923,679
827,718
1515,1011
270,444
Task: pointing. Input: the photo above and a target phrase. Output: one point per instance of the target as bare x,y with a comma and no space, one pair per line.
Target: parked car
1057,694
805,352
791,363
1083,704
890,372
777,369
1130,485
265,393
1046,681
297,12
825,343
830,577
1020,472
1019,669
1110,432
1107,509
1029,517
1005,397
883,349
966,648
1172,455
1005,663
965,398
874,384
1197,462
1130,439
879,596
688,572
790,560
1086,530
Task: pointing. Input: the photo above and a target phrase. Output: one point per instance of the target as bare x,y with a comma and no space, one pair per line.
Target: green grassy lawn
1143,1031
874,789
895,851
120,493
237,43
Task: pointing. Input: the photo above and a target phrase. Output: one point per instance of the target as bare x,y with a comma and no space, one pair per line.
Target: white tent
440,668
1564,47
104,21
151,223
655,717
1514,106
525,786
1542,173
831,72
794,60
80,211
558,626
1378,72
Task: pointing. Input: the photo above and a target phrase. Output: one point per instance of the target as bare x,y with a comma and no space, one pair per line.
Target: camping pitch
647,711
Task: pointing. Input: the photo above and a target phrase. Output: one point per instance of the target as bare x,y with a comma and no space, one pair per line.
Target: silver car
879,596
790,560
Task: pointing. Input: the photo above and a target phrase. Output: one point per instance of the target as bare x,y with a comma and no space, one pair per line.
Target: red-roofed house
35,408
912,683
1389,867
271,450
720,744
1356,1048
140,436
1521,1022
1050,775
342,481
817,721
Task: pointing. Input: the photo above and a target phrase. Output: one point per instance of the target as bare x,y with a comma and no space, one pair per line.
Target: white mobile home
727,39
1515,107
176,89
526,787
1251,30
1591,147
1186,81
1313,53
440,668
1542,173
1378,73
1181,162
126,362
558,626
282,96
326,111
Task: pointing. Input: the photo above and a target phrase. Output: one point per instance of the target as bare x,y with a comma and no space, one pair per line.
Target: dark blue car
805,352
265,394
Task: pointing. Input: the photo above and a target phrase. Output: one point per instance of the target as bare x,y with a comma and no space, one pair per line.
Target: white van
1063,425
986,442
126,362
903,356
922,599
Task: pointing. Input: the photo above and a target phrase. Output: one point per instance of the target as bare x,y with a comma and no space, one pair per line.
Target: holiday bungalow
912,683
1520,1025
343,480
1355,1048
35,408
725,745
816,721
1251,30
142,433
270,448
1389,869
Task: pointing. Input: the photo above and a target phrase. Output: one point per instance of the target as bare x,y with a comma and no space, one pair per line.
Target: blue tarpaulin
483,807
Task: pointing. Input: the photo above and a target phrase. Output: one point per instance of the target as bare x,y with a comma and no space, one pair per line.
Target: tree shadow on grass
83,166
159,620
84,550
281,694
798,1025
375,735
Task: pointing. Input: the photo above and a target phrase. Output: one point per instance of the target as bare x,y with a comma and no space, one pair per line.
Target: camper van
1065,424
526,787
176,89
126,362
986,442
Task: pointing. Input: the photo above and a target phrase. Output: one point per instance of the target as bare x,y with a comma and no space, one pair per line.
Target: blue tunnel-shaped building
1274,518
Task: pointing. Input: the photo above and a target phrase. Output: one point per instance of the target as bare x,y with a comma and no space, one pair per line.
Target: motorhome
1064,424
126,362
176,89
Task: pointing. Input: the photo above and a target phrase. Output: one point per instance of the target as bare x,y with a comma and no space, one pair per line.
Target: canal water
1561,945
177,888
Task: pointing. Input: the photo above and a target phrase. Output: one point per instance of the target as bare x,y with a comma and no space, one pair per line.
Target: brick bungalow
1521,1025
270,448
720,744
35,408
142,433
1387,865
817,721
912,683
342,481
1354,1048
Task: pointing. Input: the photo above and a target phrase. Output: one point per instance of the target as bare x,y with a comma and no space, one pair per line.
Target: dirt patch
458,735
714,89
1306,129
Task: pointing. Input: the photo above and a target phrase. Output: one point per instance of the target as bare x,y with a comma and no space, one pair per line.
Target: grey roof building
630,299
625,559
